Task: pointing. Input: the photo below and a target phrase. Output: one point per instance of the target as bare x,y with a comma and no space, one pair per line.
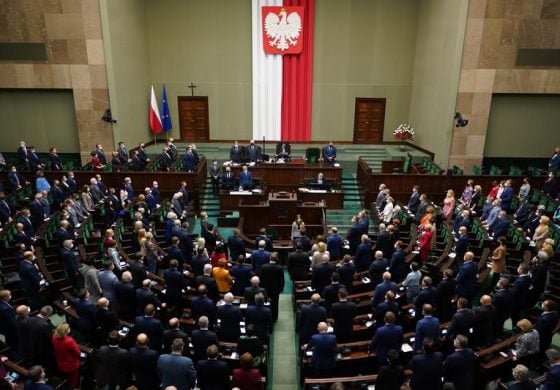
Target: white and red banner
155,119
282,69
282,29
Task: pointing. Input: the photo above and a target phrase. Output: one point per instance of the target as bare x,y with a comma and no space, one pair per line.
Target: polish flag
155,119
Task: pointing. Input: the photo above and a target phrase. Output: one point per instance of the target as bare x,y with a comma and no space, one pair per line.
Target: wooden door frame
193,98
361,99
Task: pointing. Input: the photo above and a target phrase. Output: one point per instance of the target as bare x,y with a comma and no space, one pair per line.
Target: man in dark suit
459,367
546,324
500,226
414,200
462,244
503,303
202,306
37,379
323,345
462,320
236,245
5,210
445,292
241,273
165,160
382,288
552,380
213,373
283,150
174,284
347,270
484,322
37,215
335,244
272,280
174,332
23,152
235,153
145,296
137,164
138,272
189,160
388,305
253,152
298,263
329,153
22,329
122,153
25,219
245,178
306,243
363,256
520,291
386,241
387,337
85,309
462,219
201,339
426,295
426,327
259,257
142,153
15,179
260,317
254,289
105,319
343,313
264,237
397,263
40,334
100,154
8,320
175,252
309,317
321,275
30,280
228,179
330,292
115,361
208,280
466,278
151,326
126,297
143,363
229,318
70,262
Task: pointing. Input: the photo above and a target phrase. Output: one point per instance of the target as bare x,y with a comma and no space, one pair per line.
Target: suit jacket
321,276
173,285
397,265
30,278
520,291
425,296
343,314
483,325
552,380
506,198
116,362
414,202
250,292
466,280
382,308
323,346
171,334
139,273
546,324
201,340
229,317
380,291
253,152
5,211
329,153
258,258
8,324
39,336
174,252
211,286
444,293
298,265
107,321
272,278
364,256
458,368
426,327
330,294
426,371
228,180
386,338
525,385
203,306
261,318
87,322
16,180
245,179
126,298
461,323
334,246
283,150
386,244
236,247
462,246
309,317
145,296
347,272
189,162
213,375
153,328
143,364
242,274
390,377
503,303
235,153
165,160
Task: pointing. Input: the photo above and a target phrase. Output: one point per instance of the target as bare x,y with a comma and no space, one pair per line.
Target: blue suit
426,371
334,246
552,381
203,306
176,370
414,202
153,328
466,280
242,274
329,153
386,338
546,323
426,327
246,180
363,256
324,353
236,247
253,152
261,318
258,258
458,368
500,227
462,246
309,318
380,291
189,162
506,198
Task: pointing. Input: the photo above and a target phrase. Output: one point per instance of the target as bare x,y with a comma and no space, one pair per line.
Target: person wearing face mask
215,173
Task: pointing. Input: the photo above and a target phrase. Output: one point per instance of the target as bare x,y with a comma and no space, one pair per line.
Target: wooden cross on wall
192,87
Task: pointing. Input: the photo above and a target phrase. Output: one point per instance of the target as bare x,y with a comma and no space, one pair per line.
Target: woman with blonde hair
425,242
87,200
67,354
318,254
297,225
201,243
449,205
109,236
527,345
541,232
548,247
475,199
467,193
388,211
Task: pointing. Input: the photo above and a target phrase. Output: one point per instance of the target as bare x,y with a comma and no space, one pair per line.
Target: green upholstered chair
312,154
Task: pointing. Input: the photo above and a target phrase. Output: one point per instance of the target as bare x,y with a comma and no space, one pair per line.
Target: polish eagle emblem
282,29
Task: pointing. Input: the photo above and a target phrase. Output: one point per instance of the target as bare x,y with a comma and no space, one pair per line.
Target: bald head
174,322
255,281
103,303
23,310
228,298
142,340
386,276
315,298
485,300
322,327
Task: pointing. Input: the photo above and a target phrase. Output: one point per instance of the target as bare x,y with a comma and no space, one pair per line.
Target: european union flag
165,117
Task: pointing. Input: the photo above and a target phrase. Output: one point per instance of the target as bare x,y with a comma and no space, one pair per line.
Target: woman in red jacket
247,377
425,243
67,354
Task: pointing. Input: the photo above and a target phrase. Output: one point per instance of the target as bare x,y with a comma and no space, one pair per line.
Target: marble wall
495,30
71,30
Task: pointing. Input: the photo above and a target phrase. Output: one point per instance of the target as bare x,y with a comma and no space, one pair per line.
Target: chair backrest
406,163
312,154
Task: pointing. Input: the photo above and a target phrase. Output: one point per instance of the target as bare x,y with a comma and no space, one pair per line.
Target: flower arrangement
404,131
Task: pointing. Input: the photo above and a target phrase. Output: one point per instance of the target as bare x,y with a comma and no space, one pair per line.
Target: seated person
245,179
228,180
320,184
329,153
283,150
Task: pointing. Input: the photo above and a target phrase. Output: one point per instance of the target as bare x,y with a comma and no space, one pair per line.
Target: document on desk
240,192
317,191
406,348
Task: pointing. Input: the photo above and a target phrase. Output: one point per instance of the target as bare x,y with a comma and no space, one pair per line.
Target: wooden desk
334,199
229,201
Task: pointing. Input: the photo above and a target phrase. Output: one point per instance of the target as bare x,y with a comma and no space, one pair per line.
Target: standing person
323,346
115,361
175,369
552,381
426,368
459,367
213,373
343,313
449,205
466,278
67,354
498,261
272,280
329,153
8,320
246,377
412,282
391,376
91,281
143,364
215,173
39,336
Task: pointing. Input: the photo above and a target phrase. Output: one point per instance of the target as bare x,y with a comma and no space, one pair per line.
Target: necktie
17,179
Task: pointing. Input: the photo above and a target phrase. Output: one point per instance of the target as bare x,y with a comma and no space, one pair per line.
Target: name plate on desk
317,191
240,192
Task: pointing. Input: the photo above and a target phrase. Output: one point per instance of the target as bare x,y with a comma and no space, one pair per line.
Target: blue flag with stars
165,117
